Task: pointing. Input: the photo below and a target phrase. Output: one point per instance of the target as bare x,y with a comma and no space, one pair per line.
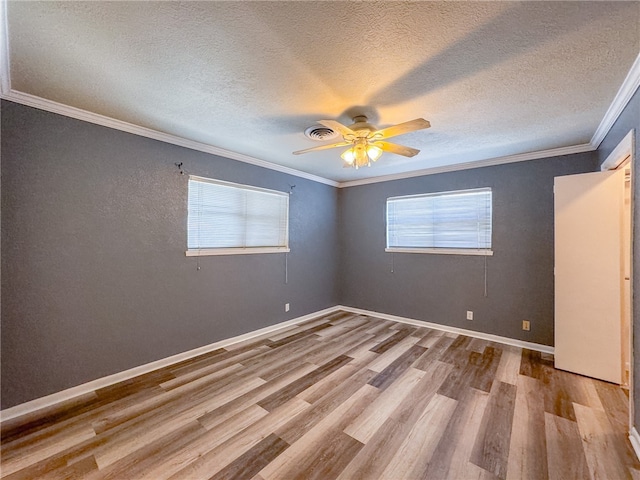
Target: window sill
234,251
443,251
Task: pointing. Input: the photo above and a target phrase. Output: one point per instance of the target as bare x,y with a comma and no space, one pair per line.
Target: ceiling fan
366,141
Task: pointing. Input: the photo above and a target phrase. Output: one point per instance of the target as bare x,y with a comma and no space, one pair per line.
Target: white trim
84,115
442,193
5,68
634,438
620,101
621,153
203,252
445,328
68,394
441,251
43,402
521,157
243,186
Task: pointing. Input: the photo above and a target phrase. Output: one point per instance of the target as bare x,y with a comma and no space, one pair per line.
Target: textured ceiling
494,78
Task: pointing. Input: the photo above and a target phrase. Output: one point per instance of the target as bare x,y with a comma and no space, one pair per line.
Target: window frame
196,252
440,250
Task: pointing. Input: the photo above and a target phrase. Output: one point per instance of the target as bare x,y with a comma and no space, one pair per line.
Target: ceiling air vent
319,133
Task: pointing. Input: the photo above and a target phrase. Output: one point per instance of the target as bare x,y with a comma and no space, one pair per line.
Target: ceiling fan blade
397,149
322,147
338,127
401,128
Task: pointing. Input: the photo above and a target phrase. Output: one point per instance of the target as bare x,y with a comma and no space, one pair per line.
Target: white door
589,274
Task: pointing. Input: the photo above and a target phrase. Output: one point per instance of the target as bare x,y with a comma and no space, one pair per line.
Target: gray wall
95,280
630,119
441,288
94,275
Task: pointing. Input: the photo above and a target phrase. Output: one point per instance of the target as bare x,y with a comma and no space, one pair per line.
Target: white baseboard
64,395
43,402
634,437
460,331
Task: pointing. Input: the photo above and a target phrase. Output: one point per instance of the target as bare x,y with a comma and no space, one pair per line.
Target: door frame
620,157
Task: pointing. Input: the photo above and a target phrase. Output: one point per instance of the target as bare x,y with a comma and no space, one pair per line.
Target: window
226,218
445,222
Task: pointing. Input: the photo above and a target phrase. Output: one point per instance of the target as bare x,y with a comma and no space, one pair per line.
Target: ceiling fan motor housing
361,126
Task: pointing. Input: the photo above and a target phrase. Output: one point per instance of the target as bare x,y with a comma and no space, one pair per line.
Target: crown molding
84,115
521,157
90,117
627,89
620,101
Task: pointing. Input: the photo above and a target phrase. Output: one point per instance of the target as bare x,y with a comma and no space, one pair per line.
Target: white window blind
457,221
227,218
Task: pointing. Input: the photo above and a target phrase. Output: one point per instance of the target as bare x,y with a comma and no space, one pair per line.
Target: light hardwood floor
342,396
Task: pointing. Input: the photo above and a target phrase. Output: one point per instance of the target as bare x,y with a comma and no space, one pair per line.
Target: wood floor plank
491,449
215,370
531,364
253,460
336,378
307,457
413,457
298,336
291,390
429,339
368,422
351,323
168,402
461,376
81,469
434,351
452,455
215,459
136,463
15,428
393,340
509,367
391,354
17,460
486,368
396,368
565,455
284,352
559,398
296,428
129,439
174,461
215,417
599,444
375,456
528,448
457,352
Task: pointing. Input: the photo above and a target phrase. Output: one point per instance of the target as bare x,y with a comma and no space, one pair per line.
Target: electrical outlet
526,325
469,315
286,307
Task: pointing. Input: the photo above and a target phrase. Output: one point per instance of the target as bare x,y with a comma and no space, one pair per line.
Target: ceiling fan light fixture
348,156
361,154
374,152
